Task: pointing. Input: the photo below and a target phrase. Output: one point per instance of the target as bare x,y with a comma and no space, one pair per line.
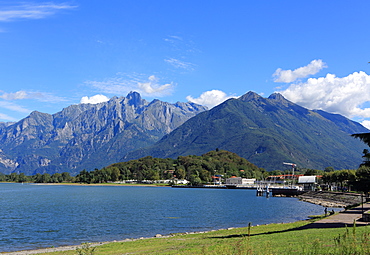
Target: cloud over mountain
344,95
39,96
210,98
288,76
347,95
7,101
122,84
94,99
152,87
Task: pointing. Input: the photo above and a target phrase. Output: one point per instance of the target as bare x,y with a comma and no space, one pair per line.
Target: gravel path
342,219
331,199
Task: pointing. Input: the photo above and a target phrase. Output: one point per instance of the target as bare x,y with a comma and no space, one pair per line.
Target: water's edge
42,216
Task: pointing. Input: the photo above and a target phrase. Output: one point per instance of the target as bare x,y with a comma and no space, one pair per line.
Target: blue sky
57,53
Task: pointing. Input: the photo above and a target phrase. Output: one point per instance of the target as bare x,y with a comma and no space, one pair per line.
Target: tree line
38,178
196,169
347,180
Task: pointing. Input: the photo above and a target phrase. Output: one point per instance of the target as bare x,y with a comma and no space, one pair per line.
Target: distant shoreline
91,184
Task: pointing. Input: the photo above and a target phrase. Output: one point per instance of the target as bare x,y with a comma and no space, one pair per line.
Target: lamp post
362,203
214,178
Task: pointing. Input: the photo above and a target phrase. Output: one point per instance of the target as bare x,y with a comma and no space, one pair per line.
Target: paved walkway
342,219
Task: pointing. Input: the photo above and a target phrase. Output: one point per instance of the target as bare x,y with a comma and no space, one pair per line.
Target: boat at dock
286,192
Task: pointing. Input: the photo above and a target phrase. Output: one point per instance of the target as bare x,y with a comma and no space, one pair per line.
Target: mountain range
88,136
266,132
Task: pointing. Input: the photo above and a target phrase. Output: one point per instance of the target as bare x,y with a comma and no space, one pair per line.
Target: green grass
265,239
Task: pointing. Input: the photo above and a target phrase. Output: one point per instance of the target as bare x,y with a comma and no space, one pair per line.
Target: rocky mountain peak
277,97
88,136
250,96
134,99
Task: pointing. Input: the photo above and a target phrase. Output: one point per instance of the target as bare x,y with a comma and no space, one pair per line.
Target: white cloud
39,96
345,95
13,107
15,95
94,99
366,123
32,11
152,87
5,117
116,85
6,101
123,85
173,38
210,98
180,64
288,76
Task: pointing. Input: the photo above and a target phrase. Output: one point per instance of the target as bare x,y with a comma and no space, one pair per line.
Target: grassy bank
285,238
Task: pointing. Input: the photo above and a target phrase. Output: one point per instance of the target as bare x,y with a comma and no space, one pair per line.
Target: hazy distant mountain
267,132
88,136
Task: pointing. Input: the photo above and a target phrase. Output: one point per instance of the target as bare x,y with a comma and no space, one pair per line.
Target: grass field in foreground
264,239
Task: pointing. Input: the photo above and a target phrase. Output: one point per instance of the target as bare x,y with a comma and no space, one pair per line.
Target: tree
365,137
195,180
310,172
115,174
2,177
327,177
13,177
205,175
363,179
22,178
329,169
180,173
56,178
366,158
83,177
276,172
152,175
37,178
66,177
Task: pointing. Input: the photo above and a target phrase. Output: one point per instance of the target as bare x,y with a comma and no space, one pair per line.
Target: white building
240,181
309,182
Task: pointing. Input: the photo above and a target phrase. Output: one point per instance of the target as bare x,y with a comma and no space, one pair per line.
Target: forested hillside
196,169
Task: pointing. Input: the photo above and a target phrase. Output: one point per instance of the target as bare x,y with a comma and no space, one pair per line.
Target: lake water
38,216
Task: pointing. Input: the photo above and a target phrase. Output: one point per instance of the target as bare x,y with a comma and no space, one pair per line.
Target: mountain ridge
267,132
86,136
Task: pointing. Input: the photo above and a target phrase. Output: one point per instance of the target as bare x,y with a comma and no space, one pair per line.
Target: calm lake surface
38,216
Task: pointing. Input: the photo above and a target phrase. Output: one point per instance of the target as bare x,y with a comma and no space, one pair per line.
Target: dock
260,190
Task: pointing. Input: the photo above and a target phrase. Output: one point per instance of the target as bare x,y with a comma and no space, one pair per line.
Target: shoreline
97,244
332,199
86,184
